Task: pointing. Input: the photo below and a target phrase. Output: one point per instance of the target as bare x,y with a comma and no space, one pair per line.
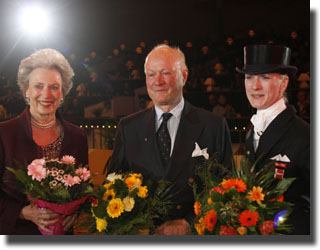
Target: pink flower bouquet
58,185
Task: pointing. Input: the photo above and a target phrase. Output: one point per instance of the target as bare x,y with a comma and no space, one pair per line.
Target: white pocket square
200,152
282,158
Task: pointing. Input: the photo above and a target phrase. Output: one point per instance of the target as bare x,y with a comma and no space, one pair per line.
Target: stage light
34,19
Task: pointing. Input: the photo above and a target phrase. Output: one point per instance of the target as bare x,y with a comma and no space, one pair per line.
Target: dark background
83,25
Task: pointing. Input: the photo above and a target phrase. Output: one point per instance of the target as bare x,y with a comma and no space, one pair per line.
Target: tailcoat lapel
274,132
249,146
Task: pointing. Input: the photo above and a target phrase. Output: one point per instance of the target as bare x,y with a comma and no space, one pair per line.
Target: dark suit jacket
288,135
136,149
16,144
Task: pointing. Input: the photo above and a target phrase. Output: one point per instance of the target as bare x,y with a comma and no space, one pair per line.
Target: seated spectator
302,105
81,89
303,81
224,109
101,109
209,84
212,102
74,108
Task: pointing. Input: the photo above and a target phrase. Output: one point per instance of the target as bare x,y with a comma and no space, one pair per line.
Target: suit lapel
150,136
188,132
274,132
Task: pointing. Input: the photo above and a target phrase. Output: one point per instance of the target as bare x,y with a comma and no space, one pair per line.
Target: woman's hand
40,217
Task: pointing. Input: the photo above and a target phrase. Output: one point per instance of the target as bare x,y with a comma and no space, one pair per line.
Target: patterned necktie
164,140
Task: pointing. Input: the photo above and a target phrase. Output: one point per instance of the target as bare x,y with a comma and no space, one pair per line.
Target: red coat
17,145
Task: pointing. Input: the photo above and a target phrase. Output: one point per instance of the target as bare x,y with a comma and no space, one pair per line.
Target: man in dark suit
159,142
277,132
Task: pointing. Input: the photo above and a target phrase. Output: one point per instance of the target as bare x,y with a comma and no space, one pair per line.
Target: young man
277,133
138,145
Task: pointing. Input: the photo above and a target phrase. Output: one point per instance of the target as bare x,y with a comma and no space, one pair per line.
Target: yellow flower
136,175
200,227
242,230
128,203
107,185
143,192
115,208
256,194
209,201
109,194
133,181
101,224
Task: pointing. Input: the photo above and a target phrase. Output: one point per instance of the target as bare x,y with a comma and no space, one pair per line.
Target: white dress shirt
173,122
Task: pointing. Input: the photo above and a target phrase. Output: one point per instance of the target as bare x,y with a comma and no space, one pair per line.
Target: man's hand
174,227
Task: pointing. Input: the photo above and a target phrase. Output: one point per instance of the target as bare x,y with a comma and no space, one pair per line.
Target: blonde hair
48,59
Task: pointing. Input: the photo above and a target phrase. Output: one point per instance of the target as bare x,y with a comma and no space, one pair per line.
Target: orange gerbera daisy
256,194
210,220
239,185
197,208
248,218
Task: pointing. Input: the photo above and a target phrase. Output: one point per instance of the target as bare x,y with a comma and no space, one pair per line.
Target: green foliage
229,203
51,187
145,211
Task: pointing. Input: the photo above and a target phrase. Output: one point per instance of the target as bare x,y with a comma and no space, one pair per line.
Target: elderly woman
39,132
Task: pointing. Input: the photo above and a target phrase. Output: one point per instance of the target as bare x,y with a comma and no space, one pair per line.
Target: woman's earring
27,99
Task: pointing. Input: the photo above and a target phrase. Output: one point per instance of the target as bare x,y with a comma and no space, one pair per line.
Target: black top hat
262,59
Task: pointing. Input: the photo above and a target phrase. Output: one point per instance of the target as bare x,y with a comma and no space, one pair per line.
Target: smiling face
166,75
265,89
44,92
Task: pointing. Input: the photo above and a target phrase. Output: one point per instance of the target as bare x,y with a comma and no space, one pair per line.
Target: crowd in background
213,83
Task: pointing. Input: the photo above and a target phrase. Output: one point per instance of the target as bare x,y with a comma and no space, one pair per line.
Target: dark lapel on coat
274,132
249,146
189,130
150,139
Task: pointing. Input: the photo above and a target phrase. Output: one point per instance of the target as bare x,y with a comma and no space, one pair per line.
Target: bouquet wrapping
62,209
56,184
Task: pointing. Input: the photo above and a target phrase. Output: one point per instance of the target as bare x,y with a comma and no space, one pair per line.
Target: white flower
200,152
128,203
113,176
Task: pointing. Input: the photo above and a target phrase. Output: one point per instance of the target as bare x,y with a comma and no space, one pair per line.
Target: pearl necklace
43,126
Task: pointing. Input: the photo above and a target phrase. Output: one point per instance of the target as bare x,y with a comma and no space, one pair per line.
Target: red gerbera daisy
225,230
248,218
267,227
239,185
210,220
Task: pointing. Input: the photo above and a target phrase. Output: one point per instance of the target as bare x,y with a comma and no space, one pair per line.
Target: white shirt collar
176,111
264,117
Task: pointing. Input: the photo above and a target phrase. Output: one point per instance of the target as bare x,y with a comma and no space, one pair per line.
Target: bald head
166,52
166,74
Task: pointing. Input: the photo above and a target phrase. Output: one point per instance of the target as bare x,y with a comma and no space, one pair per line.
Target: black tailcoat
288,135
